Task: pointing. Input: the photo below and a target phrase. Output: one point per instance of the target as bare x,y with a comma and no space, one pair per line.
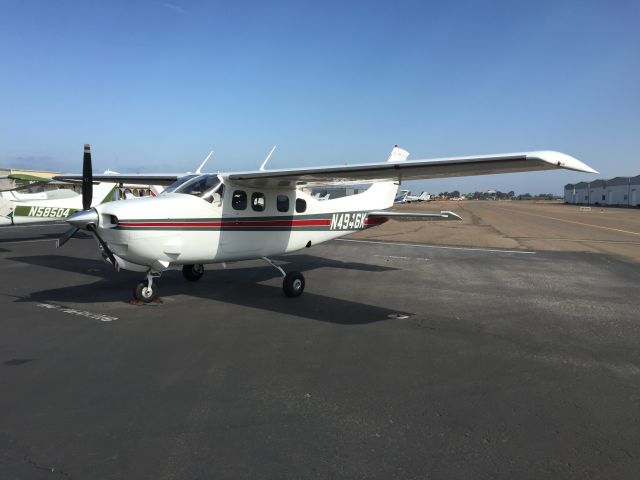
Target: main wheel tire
193,272
143,293
293,284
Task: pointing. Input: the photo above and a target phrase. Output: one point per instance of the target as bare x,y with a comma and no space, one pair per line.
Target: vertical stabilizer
385,193
398,155
103,193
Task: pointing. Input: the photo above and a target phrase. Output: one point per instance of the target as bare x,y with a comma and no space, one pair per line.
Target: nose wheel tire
193,272
293,284
144,293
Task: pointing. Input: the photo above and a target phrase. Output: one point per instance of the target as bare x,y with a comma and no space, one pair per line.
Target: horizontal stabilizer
415,216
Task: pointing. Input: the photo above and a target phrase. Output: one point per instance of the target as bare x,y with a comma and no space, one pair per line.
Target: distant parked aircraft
49,206
406,197
423,197
402,196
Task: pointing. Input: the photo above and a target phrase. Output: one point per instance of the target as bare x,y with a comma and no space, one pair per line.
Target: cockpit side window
215,195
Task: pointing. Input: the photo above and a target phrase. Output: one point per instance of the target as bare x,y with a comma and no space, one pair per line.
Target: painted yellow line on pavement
571,221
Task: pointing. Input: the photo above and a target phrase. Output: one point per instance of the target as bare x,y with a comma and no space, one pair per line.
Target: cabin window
283,203
239,200
301,205
257,201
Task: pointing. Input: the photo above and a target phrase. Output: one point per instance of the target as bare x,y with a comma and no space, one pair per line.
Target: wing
25,186
409,170
130,178
21,181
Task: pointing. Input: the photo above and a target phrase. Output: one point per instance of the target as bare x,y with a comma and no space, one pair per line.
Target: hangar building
618,191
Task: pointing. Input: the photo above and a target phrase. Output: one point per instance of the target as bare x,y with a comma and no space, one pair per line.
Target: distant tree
548,196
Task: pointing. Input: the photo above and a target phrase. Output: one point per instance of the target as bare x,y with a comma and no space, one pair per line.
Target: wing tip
562,160
449,213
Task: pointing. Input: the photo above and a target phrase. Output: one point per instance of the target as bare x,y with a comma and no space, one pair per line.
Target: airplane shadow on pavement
238,285
41,236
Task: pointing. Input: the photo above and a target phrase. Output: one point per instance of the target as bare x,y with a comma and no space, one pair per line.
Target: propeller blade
66,236
103,244
87,178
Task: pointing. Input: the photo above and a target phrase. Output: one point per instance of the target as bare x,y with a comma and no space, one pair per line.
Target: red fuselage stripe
234,223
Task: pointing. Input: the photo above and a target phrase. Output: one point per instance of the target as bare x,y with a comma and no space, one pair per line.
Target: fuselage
239,223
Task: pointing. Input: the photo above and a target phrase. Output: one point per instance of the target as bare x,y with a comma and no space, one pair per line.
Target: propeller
105,248
87,218
87,195
64,238
87,178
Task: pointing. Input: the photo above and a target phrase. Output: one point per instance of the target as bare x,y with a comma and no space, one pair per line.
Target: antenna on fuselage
264,164
199,170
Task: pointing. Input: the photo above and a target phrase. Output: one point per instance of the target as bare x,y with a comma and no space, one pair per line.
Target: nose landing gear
145,291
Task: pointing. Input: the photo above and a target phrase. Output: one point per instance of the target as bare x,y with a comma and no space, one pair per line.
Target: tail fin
103,193
380,195
398,155
385,192
6,211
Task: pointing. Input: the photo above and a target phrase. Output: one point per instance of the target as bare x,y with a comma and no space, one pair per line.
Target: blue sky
154,85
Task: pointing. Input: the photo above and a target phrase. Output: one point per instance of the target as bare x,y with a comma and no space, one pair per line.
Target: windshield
171,188
197,185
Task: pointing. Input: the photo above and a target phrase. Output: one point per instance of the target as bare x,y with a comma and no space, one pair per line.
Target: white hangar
618,191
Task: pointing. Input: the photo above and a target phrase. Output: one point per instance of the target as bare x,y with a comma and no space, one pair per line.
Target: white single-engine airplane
216,218
56,205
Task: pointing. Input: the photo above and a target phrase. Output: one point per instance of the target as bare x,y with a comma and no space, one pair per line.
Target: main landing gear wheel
293,284
144,292
193,272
